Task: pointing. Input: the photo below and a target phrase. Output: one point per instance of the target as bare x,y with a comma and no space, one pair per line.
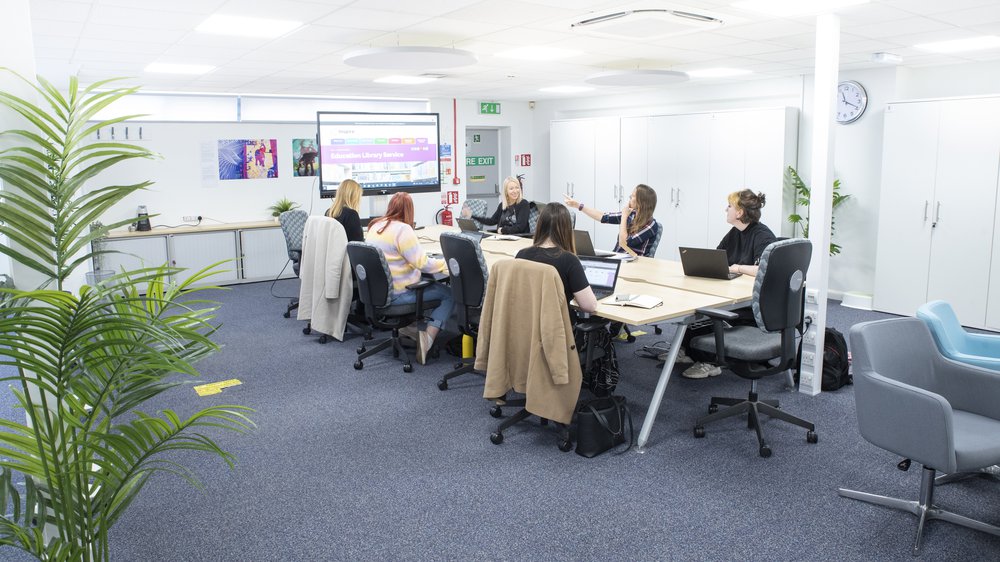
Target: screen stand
377,205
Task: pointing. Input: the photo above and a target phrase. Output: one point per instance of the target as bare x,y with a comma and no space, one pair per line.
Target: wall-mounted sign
480,160
489,108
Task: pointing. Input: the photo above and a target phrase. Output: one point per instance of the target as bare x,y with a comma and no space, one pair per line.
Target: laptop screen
601,274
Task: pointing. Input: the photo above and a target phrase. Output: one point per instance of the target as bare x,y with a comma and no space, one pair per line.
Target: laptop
705,262
602,274
468,226
585,247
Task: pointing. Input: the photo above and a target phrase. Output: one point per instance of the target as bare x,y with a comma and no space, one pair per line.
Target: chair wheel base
811,437
442,385
307,330
496,438
496,411
658,330
287,315
408,368
324,338
699,432
712,408
359,365
765,451
565,446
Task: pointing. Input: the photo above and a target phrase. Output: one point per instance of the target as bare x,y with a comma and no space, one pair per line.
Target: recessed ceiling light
244,26
409,58
171,68
792,8
636,77
960,45
886,58
565,89
717,72
402,79
538,53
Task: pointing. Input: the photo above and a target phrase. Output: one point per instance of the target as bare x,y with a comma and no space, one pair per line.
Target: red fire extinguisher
445,216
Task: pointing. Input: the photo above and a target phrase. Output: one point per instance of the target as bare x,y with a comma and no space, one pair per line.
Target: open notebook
641,301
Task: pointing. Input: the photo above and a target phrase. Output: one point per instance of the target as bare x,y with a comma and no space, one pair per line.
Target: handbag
600,425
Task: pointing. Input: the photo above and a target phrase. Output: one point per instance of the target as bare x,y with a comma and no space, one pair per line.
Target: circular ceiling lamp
409,58
636,78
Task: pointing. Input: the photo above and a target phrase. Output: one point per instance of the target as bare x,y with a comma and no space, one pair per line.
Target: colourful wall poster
304,154
242,159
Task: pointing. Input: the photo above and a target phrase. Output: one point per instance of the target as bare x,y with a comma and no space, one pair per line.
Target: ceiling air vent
646,23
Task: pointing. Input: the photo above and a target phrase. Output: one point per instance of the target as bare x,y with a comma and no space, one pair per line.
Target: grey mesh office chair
293,224
914,402
479,208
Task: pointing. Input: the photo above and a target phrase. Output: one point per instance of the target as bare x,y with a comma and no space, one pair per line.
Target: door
197,251
482,163
264,254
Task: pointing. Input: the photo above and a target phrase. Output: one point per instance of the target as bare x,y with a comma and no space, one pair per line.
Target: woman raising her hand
638,231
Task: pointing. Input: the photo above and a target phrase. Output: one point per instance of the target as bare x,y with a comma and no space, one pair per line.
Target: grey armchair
913,402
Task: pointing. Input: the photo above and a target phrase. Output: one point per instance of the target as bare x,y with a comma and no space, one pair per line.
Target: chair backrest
534,209
293,224
780,281
478,208
948,333
469,275
372,273
656,240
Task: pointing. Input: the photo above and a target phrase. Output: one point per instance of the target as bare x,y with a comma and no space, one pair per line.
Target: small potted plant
282,205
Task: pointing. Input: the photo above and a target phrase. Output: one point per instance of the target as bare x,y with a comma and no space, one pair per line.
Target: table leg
661,386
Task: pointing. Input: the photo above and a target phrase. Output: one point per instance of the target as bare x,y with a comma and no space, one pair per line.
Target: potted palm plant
802,199
282,205
87,362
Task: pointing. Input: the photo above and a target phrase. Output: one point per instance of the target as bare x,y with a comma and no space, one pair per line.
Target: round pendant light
636,77
409,58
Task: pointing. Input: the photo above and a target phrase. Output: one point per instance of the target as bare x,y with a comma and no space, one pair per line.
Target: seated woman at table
554,244
345,209
511,215
394,235
744,244
638,231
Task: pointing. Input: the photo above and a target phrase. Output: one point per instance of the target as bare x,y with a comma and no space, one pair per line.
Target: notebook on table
705,262
602,274
585,246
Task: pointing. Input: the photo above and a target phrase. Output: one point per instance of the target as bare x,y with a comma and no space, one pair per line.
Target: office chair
534,209
753,352
293,224
526,343
468,272
479,208
955,342
375,292
912,401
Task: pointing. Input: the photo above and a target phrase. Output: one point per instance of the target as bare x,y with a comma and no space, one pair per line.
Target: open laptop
705,262
602,274
585,247
468,226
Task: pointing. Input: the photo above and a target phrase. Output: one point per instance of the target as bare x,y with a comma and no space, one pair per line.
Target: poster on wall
304,154
244,159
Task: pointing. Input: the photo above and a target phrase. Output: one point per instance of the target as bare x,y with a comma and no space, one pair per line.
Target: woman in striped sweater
394,235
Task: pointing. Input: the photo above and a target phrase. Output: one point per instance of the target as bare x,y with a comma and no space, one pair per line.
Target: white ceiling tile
191,6
767,30
135,17
936,6
43,10
139,34
343,35
514,12
64,28
95,44
363,18
435,8
975,16
908,26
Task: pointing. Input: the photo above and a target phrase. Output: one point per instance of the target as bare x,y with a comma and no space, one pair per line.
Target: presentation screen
384,152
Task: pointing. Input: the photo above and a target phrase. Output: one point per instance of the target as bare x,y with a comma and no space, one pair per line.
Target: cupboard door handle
678,203
926,205
937,214
671,195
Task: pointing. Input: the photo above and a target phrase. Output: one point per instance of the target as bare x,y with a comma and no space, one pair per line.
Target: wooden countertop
194,229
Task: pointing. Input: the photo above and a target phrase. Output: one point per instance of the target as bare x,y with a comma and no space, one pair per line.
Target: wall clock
852,99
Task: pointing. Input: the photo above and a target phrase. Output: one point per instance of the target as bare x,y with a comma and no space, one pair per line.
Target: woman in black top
511,215
554,245
345,209
745,242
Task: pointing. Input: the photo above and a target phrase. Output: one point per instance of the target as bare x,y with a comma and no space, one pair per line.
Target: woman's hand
626,211
570,202
466,213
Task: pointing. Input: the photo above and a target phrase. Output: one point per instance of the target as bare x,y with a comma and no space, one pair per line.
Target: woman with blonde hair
393,234
511,216
345,209
638,231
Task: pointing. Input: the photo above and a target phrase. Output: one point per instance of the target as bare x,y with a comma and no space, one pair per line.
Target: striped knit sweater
403,253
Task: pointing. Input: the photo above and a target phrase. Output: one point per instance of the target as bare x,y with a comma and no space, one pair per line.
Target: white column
17,52
821,197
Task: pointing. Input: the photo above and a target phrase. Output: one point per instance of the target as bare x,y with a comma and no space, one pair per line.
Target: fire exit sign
489,108
480,160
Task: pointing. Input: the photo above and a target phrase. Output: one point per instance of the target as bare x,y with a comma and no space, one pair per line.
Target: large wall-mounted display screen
384,152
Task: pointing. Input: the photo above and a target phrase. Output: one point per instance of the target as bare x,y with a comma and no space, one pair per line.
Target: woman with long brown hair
554,245
394,235
638,231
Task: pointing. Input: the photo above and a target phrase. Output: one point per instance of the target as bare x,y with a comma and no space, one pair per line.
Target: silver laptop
705,262
468,226
585,246
602,274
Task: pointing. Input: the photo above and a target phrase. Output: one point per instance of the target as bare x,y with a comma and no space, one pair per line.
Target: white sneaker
410,332
424,343
701,371
682,357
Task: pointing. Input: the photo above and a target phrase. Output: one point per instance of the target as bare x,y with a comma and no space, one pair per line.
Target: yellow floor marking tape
215,387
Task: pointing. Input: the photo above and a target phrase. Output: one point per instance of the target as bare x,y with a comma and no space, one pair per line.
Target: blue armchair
982,350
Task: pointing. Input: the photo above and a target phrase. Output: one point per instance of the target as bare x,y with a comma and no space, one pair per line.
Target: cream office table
681,296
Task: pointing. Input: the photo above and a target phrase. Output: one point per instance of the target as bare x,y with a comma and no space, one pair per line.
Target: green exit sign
489,108
480,160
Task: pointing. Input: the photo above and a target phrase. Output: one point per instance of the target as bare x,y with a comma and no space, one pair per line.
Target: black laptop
705,262
585,246
602,274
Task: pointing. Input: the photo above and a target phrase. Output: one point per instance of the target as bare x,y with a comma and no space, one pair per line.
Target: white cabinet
680,170
194,252
128,254
263,254
937,217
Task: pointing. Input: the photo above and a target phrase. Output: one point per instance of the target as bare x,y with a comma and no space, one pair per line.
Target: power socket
808,358
809,337
191,218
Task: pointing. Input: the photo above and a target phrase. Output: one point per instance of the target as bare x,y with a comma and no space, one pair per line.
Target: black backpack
836,367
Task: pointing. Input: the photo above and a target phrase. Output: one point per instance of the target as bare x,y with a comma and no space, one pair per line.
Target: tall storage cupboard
938,208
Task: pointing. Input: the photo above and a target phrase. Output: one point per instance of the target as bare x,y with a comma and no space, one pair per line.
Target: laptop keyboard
601,293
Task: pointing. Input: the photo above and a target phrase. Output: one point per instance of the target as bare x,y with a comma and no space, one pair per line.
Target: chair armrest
719,317
718,313
420,285
587,327
968,387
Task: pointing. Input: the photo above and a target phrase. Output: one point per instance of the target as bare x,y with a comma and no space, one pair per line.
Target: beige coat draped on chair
526,339
325,273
